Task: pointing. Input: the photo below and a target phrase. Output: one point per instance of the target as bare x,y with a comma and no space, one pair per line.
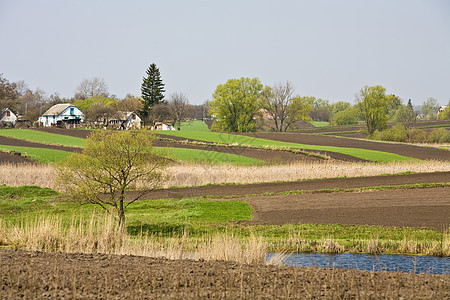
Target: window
72,111
8,113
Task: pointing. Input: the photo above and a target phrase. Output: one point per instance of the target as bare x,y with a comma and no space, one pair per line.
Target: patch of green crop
43,137
226,138
197,125
41,155
210,157
319,124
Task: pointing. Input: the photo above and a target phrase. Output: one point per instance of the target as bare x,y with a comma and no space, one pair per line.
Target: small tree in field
112,164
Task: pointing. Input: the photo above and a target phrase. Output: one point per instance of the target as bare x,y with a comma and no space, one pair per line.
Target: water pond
383,262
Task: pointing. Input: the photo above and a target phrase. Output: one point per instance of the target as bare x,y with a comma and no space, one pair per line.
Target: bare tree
130,103
178,103
90,88
283,107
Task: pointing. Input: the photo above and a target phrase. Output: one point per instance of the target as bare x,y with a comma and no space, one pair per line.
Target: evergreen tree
152,90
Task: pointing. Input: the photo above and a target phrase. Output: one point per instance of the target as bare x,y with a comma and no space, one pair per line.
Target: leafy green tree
111,165
373,105
405,115
152,90
346,117
445,114
98,109
340,106
285,108
235,104
430,108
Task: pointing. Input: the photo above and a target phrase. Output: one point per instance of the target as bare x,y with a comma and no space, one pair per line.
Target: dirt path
317,184
401,149
36,275
428,207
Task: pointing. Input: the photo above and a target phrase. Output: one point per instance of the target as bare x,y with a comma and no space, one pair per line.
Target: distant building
126,120
441,109
162,126
62,115
8,118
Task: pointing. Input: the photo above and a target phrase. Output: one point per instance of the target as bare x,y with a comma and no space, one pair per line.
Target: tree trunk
121,217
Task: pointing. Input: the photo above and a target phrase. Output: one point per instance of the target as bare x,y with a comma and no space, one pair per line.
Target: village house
162,126
8,118
126,120
62,115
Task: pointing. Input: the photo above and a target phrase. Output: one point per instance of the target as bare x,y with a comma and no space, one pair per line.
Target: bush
399,133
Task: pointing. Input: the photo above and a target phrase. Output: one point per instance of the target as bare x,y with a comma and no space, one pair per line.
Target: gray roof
57,109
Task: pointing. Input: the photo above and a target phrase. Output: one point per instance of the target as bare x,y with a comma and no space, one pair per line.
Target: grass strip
209,157
41,155
43,137
233,139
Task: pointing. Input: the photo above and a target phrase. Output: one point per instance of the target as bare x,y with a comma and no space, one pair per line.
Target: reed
201,174
102,235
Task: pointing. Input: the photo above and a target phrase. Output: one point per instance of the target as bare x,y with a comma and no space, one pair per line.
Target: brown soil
303,185
428,207
401,149
15,159
22,143
36,275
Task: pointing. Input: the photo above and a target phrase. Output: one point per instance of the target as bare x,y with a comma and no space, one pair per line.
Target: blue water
383,262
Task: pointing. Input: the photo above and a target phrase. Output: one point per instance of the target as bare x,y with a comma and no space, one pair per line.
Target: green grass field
197,217
43,137
225,138
319,124
197,125
45,156
40,155
210,157
215,137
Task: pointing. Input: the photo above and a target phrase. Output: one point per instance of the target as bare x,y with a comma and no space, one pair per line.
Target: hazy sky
326,49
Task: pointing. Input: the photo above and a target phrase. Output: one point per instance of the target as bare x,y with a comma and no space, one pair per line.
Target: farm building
126,120
8,118
162,126
62,115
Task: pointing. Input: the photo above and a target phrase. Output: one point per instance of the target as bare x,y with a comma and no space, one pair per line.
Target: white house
62,115
8,118
162,126
127,120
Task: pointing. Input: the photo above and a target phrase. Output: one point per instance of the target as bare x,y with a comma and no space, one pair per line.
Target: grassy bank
29,216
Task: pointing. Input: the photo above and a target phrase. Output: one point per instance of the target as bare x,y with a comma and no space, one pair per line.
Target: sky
326,49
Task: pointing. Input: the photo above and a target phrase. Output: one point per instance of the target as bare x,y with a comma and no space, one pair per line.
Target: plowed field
37,275
401,149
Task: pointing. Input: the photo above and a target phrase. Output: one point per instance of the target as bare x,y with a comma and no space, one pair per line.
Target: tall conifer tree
152,90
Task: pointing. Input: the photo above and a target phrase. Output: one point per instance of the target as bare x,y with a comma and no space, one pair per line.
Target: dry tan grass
102,235
197,174
191,175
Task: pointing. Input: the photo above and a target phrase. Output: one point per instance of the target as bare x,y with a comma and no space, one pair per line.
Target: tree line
239,105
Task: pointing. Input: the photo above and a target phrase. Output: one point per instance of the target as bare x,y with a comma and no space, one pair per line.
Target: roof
57,109
123,115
